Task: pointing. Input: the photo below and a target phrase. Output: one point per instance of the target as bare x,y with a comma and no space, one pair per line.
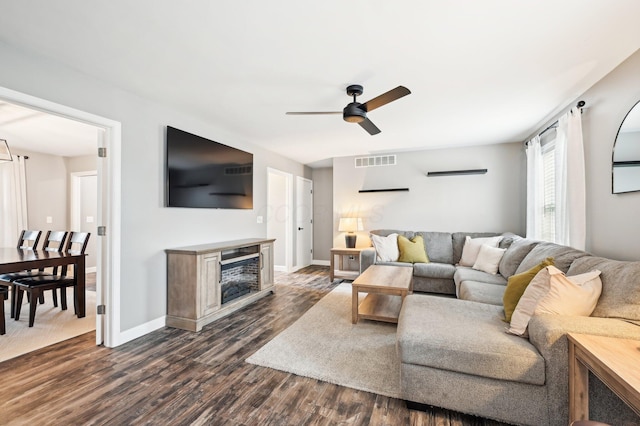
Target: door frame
75,199
109,136
288,267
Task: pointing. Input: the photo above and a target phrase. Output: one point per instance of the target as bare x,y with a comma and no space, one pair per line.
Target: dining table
16,260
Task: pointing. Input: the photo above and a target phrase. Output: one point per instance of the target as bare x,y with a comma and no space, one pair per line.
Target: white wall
612,219
493,202
46,191
148,228
277,217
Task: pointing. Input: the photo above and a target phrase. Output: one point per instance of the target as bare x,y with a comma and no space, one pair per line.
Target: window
549,193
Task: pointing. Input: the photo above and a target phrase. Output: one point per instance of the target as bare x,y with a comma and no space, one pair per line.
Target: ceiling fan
355,112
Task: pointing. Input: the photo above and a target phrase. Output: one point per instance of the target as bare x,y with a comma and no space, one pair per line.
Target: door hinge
101,309
102,152
102,231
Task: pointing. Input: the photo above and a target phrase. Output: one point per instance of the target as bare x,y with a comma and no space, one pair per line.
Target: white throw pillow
488,259
386,247
472,246
550,291
573,296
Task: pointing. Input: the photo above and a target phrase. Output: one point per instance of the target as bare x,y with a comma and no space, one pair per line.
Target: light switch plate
260,219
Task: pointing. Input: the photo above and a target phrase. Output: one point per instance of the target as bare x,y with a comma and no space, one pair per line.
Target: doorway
107,212
304,222
280,217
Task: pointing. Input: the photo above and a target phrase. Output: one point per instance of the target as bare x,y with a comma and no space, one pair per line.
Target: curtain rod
553,125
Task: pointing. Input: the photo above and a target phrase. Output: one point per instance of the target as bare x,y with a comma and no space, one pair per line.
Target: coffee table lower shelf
380,307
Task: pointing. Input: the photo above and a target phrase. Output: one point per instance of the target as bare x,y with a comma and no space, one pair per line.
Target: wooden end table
340,272
387,286
614,361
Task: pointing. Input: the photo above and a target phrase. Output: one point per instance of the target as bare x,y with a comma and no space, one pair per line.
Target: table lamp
350,225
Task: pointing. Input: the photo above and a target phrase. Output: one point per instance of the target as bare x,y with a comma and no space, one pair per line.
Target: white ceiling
480,72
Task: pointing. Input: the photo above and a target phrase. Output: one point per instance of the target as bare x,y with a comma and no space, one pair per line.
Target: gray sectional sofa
455,353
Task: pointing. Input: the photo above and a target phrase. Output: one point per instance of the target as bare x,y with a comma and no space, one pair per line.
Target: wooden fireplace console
194,280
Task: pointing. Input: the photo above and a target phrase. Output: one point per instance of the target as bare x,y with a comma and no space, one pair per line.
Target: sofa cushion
464,273
476,291
620,296
459,238
466,337
434,270
514,255
563,256
438,246
412,251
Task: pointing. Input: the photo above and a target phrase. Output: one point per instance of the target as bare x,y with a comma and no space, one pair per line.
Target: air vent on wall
375,161
239,170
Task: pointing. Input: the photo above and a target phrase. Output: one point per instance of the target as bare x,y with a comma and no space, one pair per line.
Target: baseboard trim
139,331
320,262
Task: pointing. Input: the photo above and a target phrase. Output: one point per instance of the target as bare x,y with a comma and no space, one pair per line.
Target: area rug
52,325
323,344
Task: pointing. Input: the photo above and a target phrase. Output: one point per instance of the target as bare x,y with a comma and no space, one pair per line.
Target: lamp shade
350,224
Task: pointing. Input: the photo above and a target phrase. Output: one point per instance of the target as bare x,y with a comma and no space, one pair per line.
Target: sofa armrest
548,333
367,258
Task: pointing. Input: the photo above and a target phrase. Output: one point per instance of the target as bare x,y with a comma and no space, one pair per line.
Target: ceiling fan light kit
355,112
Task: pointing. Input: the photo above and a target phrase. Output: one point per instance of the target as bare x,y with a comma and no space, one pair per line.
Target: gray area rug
324,345
52,325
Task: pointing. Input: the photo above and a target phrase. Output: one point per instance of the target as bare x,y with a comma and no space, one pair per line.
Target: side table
614,361
340,272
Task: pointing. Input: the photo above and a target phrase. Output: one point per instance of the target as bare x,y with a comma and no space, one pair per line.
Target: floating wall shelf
626,164
458,172
384,190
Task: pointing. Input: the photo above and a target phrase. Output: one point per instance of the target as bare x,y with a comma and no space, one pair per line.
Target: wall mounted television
202,173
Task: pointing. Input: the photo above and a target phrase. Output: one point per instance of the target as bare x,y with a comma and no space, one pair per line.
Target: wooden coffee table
387,286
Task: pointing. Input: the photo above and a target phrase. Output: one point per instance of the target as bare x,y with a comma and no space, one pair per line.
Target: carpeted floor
52,325
323,344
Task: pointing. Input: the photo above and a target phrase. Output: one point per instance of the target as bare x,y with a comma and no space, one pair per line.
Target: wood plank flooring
181,378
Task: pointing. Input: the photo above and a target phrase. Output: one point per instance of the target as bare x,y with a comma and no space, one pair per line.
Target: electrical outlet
49,219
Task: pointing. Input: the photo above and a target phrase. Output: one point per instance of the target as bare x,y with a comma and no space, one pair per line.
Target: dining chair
3,293
28,240
34,286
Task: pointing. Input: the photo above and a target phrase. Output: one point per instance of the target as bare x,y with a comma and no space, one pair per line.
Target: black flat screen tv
202,173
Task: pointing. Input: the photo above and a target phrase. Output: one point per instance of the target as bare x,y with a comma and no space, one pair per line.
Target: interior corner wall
322,213
492,202
46,177
147,227
612,219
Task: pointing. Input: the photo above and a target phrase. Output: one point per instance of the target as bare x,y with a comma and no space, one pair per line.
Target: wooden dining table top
15,260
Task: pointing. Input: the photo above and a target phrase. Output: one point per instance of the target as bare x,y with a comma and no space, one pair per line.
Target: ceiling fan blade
312,112
385,98
369,127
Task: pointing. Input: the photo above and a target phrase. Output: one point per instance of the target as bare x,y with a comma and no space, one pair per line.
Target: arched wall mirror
626,154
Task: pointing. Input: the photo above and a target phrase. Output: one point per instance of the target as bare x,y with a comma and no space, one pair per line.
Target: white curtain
13,200
571,222
535,189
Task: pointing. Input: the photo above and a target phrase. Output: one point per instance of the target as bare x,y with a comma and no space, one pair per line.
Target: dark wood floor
176,377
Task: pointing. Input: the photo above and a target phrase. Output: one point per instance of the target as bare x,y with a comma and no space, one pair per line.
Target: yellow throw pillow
517,284
412,251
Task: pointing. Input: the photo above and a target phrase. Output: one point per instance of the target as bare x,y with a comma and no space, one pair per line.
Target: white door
304,222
